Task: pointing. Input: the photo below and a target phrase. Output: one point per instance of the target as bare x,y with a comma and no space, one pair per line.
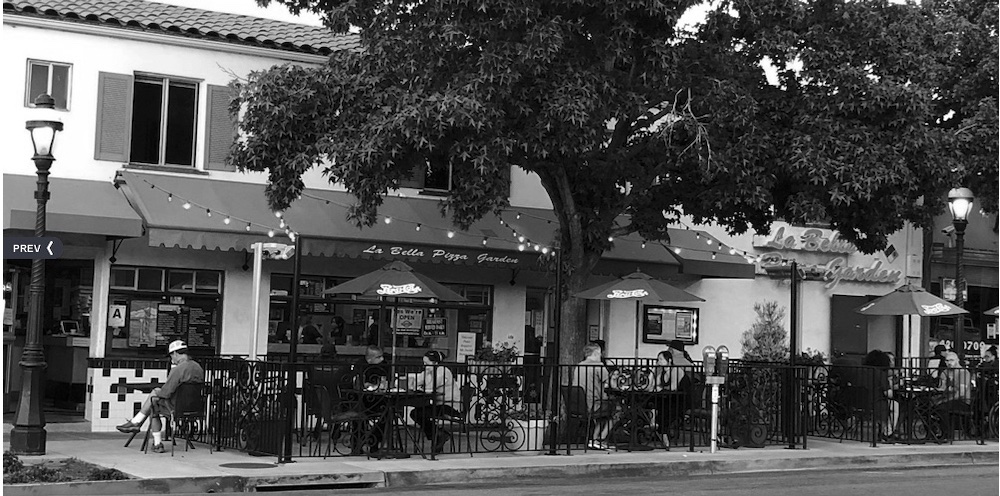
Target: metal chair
189,414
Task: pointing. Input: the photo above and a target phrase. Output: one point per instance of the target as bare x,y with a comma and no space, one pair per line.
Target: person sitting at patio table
373,372
439,380
886,407
668,408
955,385
594,377
161,400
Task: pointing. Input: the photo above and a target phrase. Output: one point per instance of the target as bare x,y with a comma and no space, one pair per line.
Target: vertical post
556,383
791,391
292,379
257,274
959,296
28,437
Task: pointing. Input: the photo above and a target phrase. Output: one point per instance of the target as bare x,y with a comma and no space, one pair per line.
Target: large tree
630,122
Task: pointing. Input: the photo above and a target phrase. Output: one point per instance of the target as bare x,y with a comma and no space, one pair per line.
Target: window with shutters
51,78
164,121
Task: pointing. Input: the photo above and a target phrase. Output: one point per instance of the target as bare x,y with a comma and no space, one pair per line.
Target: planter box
526,435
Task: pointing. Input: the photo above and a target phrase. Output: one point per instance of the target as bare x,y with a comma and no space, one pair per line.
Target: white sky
247,7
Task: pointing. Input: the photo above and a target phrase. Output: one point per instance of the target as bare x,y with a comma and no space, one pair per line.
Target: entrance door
848,329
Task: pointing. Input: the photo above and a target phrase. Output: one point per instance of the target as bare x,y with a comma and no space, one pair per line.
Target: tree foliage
630,121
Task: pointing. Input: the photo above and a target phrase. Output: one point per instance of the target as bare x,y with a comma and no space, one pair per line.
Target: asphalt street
951,481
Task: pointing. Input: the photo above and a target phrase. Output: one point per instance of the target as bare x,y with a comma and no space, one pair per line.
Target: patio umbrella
995,311
910,300
639,287
398,280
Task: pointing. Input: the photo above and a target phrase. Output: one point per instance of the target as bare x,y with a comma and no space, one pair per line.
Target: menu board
435,326
170,324
201,325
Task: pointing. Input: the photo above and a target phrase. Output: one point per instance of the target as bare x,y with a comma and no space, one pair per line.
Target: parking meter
722,360
708,360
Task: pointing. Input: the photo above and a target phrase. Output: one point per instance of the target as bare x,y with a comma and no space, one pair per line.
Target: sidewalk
235,471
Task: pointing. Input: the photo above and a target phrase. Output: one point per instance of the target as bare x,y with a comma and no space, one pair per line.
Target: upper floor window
163,121
48,77
432,176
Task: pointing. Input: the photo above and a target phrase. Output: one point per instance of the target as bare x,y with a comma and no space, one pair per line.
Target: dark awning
75,206
320,217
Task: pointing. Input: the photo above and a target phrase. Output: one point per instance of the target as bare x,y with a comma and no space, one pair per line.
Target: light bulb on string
282,223
291,236
451,234
278,214
643,245
501,222
545,250
270,233
732,251
538,247
248,226
708,241
227,220
170,197
418,227
677,251
521,239
187,205
388,220
611,239
520,247
484,241
518,216
713,255
208,212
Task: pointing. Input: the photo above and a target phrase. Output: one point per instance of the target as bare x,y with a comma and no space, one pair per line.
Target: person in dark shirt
373,372
309,332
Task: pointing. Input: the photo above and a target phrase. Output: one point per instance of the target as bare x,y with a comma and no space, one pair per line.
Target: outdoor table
916,405
386,408
636,418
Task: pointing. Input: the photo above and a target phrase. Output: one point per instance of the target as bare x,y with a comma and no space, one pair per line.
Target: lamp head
43,131
960,203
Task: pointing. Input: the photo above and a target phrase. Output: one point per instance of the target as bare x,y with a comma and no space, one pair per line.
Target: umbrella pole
638,327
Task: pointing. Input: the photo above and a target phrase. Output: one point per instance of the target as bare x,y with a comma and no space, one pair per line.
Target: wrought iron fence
354,408
902,404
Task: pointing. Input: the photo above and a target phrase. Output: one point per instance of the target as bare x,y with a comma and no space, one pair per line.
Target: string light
418,227
209,212
611,239
270,233
520,247
713,255
677,251
248,226
278,214
484,240
388,220
187,205
643,245
281,224
227,220
521,239
451,234
170,197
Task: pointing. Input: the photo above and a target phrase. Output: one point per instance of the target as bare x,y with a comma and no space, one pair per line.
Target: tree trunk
574,334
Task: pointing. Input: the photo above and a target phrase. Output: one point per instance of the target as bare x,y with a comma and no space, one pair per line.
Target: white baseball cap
176,346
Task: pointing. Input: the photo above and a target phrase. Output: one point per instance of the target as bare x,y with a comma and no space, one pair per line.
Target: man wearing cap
160,400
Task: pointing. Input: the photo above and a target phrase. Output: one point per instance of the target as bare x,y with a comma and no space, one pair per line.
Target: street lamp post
960,203
28,435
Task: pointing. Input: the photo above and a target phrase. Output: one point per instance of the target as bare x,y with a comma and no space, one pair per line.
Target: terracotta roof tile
186,21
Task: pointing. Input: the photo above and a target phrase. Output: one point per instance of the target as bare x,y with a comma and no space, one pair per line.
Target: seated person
666,377
438,379
593,377
160,401
309,332
886,409
955,385
373,372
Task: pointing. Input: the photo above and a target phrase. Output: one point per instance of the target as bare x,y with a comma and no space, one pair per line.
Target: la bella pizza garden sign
821,241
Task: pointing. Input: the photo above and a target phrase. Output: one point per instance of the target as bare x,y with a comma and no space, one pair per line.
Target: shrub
34,474
766,338
11,463
102,474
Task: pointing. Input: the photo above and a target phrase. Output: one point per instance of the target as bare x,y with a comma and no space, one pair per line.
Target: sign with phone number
972,348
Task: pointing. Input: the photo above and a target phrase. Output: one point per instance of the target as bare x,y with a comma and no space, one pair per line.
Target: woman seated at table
886,407
438,379
666,377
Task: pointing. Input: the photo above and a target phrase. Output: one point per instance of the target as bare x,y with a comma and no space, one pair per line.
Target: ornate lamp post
960,203
28,435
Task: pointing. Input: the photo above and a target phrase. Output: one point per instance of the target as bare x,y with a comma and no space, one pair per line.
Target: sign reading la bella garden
822,241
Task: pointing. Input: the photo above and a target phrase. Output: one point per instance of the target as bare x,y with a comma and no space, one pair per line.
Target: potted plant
493,358
527,427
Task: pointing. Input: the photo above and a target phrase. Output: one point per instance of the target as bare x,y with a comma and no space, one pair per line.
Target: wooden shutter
114,117
220,130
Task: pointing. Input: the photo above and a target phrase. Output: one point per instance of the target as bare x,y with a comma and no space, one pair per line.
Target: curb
432,476
687,468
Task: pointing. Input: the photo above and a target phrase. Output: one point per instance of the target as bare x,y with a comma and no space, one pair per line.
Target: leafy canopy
622,115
